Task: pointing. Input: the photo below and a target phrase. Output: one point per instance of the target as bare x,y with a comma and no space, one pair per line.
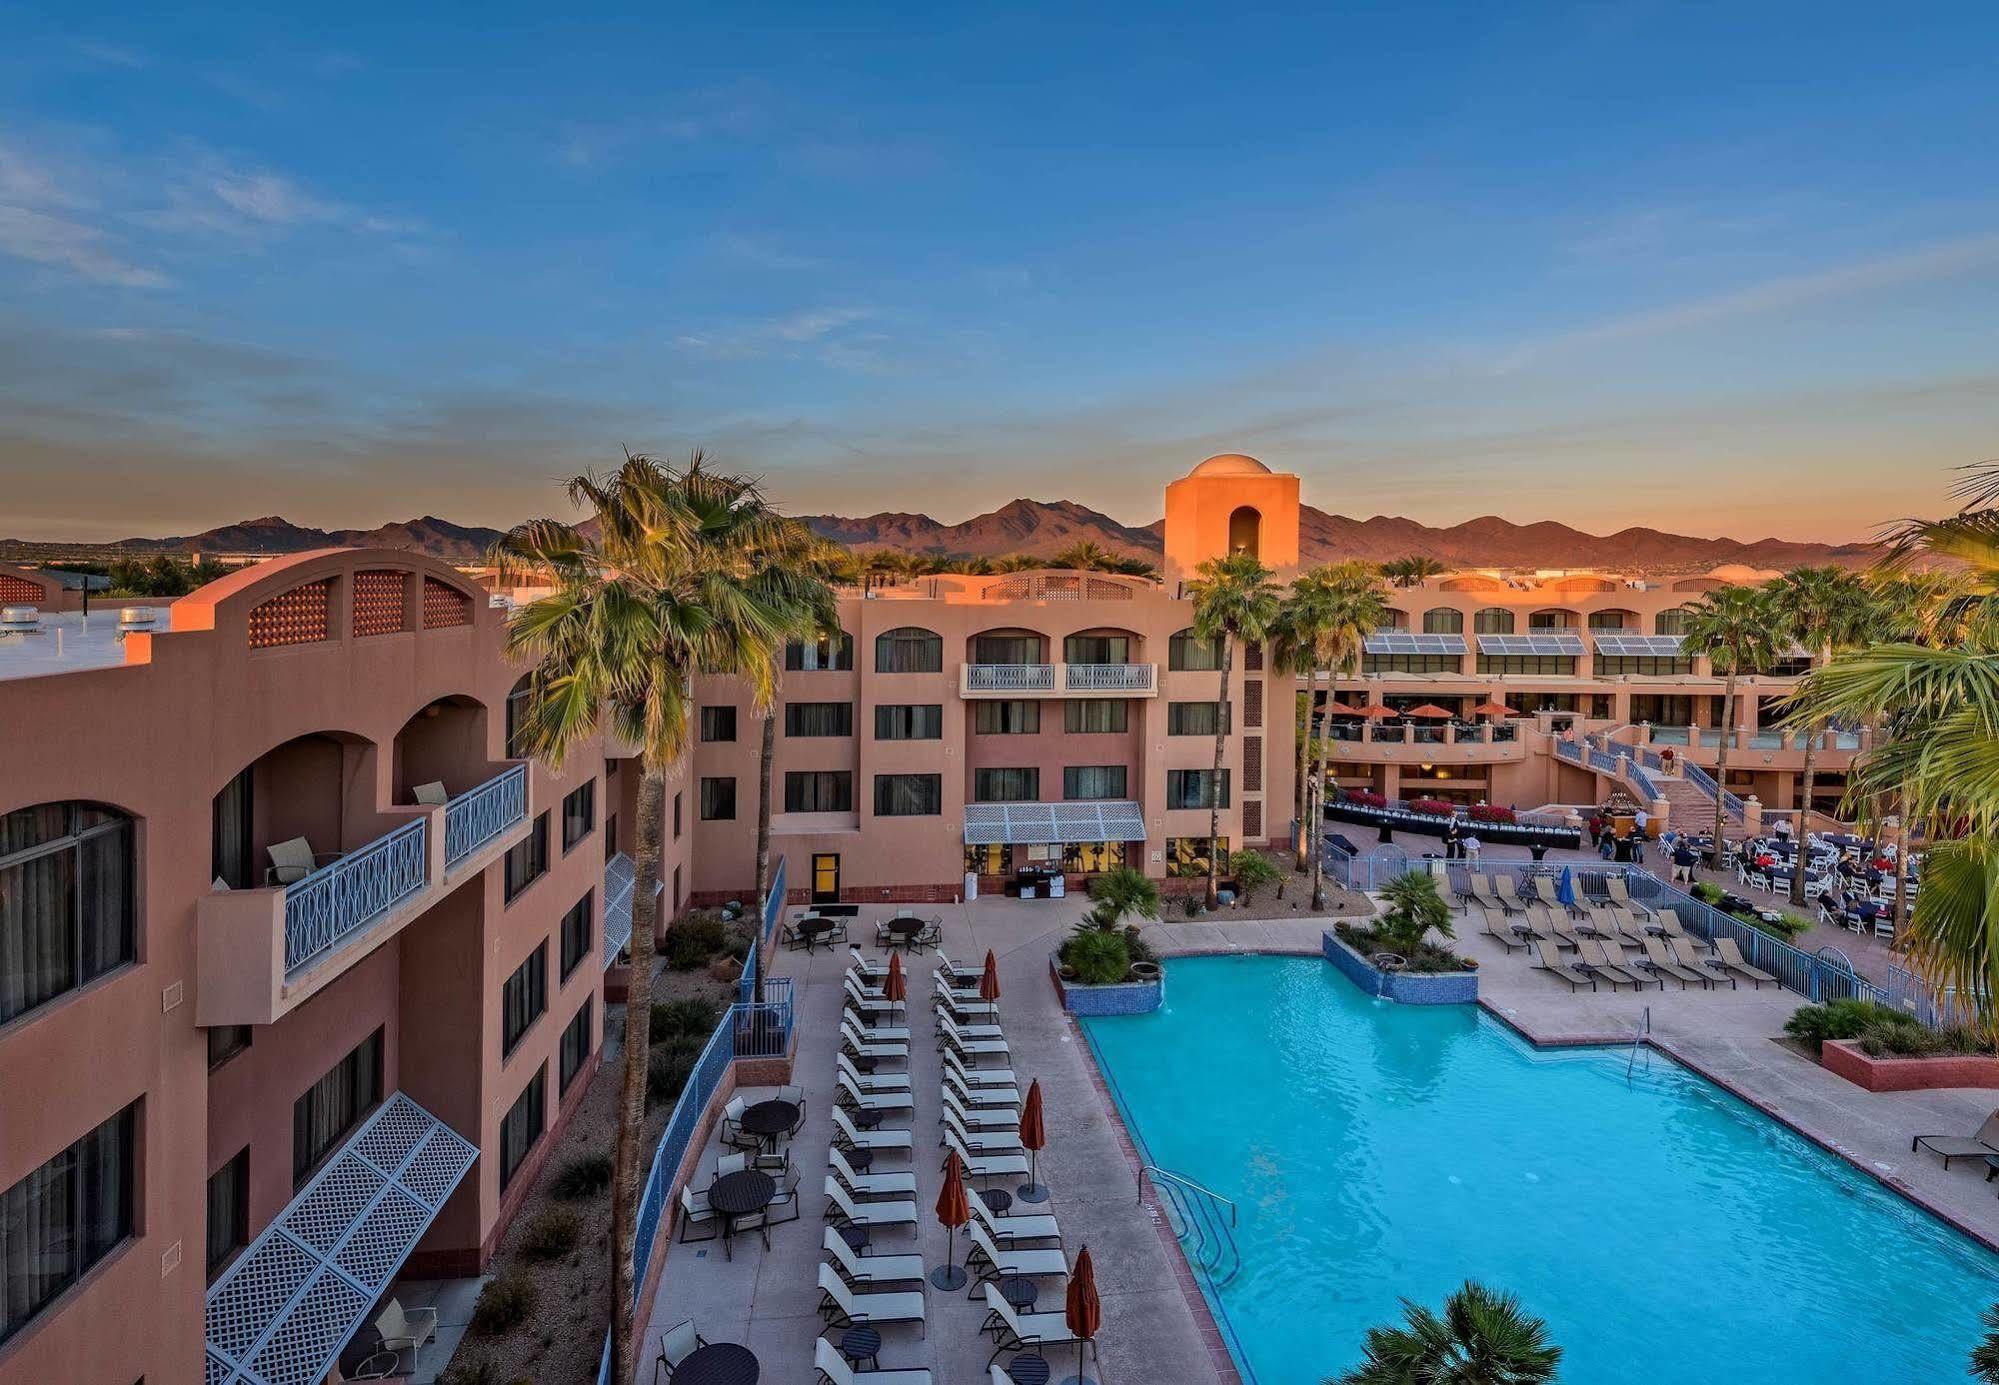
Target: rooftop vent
136,618
20,620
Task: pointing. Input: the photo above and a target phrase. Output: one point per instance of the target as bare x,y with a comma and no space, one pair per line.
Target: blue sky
1721,268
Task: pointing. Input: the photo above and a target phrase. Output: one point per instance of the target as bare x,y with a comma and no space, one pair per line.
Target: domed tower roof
1230,464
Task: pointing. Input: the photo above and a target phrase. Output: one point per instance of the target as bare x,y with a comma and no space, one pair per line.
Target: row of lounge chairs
1605,960
1503,894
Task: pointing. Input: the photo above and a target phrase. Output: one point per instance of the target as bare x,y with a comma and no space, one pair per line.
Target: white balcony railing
1011,678
1108,678
478,815
340,898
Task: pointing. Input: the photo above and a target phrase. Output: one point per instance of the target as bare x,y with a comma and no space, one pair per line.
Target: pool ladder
1203,1220
1638,1041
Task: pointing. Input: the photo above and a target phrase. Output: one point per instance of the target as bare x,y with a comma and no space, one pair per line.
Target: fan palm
1739,633
1985,1356
1481,1338
1411,571
1330,612
1085,555
1824,610
1234,599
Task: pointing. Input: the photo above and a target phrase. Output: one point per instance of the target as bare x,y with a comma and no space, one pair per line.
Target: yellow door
826,877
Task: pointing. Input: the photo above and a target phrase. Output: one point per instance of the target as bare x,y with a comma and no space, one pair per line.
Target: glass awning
1035,824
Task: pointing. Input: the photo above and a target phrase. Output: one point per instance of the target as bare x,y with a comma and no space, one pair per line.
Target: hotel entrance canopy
1042,824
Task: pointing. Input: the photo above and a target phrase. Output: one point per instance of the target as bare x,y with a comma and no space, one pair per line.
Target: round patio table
904,931
718,1363
770,1119
856,1238
738,1195
860,1160
812,930
1027,1369
998,1199
1019,1291
860,1344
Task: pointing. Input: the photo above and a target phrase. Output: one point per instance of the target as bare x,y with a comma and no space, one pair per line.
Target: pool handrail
1207,1220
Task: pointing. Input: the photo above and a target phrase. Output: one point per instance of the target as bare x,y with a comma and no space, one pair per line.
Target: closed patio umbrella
896,987
1083,1311
1428,710
1033,1135
989,979
952,1212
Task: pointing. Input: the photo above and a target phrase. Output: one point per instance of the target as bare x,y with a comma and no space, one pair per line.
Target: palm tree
1234,599
1985,1356
1085,555
1482,1338
1018,562
1411,571
660,594
1330,612
1738,632
1824,610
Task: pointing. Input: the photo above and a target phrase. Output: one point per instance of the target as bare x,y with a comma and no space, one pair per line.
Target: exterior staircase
1691,807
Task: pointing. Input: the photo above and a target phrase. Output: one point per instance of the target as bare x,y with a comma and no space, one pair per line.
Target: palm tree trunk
1313,812
1301,836
632,1087
1721,767
1222,720
766,752
1805,815
1902,865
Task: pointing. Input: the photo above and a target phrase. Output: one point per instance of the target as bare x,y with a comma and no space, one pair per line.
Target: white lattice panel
619,881
1113,820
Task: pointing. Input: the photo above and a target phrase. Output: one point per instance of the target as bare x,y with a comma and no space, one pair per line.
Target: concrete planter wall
1888,1074
1404,987
1125,998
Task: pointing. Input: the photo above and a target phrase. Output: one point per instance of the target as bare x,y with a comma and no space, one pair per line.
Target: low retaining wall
1124,998
1404,987
1890,1074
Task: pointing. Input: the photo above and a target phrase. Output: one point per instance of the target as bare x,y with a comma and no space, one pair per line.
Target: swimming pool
1378,1150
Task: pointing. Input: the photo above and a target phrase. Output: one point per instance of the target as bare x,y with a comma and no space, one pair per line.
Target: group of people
1460,842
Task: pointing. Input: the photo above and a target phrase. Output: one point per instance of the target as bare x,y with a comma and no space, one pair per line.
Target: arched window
1613,620
1186,652
909,649
1555,618
1246,531
1396,619
1493,620
1444,620
1673,622
66,900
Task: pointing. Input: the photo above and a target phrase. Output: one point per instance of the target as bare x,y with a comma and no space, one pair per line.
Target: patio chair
834,1370
871,1186
1986,1141
841,1206
871,1081
872,1269
796,1096
292,861
731,1163
695,1211
1550,961
431,794
990,1116
1683,951
931,934
1620,894
1496,927
788,934
404,1329
1659,962
999,1139
1730,954
853,1098
786,1197
676,1344
975,1078
733,1133
1018,1332
1606,963
847,1136
1027,1226
987,1165
1002,1263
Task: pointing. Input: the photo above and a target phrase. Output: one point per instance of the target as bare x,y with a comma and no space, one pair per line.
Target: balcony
1125,680
1413,743
1006,680
1058,680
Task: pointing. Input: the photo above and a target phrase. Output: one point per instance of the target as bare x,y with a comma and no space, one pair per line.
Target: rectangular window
922,721
232,817
1097,649
1187,857
985,859
718,800
1190,788
577,932
517,720
610,836
228,1210
1553,665
527,860
1093,781
1195,718
1614,665
1187,654
334,1105
66,901
225,1041
908,650
579,814
1092,858
1006,718
1006,649
523,997
575,1049
834,653
718,723
818,718
1410,663
63,1218
1006,785
521,1127
819,791
676,814
1091,716
909,795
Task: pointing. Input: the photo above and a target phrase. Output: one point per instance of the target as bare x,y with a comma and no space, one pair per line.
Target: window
1196,718
63,1218
1006,785
1673,622
1185,653
517,719
1093,781
521,1127
1493,620
1187,857
523,997
718,723
1444,620
909,795
1009,718
1551,620
1006,649
1085,716
334,1105
576,932
676,815
831,652
1612,620
819,791
579,814
66,901
610,836
910,722
1609,666
718,800
575,1049
1410,663
908,650
232,855
527,860
1245,530
1189,788
1550,664
1097,649
818,718
986,859
228,1210
225,1041
1092,858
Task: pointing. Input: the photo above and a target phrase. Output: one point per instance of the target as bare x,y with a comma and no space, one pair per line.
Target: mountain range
1043,528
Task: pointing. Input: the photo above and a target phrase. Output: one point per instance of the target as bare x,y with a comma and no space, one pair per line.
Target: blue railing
474,818
339,899
1365,870
1705,782
773,910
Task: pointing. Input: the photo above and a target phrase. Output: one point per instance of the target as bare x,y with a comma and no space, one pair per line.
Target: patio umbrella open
896,987
1374,711
989,980
1033,1135
953,1212
1493,709
1340,709
1083,1311
1428,710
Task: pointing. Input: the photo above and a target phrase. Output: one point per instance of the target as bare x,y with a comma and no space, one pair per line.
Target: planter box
1889,1074
1404,987
1125,998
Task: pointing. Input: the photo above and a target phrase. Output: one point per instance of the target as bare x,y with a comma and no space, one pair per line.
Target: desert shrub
692,941
586,1175
551,1233
470,1369
504,1304
1136,947
1192,906
1814,1025
1099,957
1707,893
1785,927
1252,871
1122,893
666,1074
671,1018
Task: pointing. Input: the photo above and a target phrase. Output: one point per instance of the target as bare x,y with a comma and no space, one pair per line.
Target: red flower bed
1432,807
1491,812
1366,799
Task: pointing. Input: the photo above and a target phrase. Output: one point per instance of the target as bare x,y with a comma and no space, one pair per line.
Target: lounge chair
851,1040
1551,961
1561,926
1600,922
868,1006
1986,1141
854,1099
1668,923
1497,927
1620,895
949,1033
979,1030
978,1077
1731,957
431,795
872,1269
292,861
1683,951
834,1370
871,1186
1486,897
842,1307
877,1033
871,988
994,1141
1003,1263
1508,891
1544,890
676,1344
987,1165
1659,962
1017,1332
1601,961
955,974
979,1117
871,1081
1022,1226
841,1206
975,1097
847,1136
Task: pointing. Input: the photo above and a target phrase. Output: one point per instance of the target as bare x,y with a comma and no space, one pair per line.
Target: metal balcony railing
341,898
1109,678
477,816
1023,678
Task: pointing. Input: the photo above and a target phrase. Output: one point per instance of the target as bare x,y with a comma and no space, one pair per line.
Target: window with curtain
909,650
819,791
1083,716
1195,718
909,795
718,723
67,911
523,998
1186,653
579,813
1443,620
522,1126
232,857
527,860
1007,718
676,815
818,718
1191,788
828,653
1093,781
334,1105
1006,649
1673,622
60,1220
1551,620
1493,620
1613,620
1006,785
577,931
1554,665
1097,649
225,1041
718,800
575,1049
923,721
517,720
228,1210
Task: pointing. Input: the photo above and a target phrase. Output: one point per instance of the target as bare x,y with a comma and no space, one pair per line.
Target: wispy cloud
831,335
42,222
112,54
762,251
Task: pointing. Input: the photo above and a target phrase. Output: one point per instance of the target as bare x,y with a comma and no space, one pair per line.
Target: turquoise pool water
1666,1231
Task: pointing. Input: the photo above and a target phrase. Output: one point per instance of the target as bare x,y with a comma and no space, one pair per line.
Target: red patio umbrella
953,1211
1374,711
1340,709
1428,710
1493,709
896,987
1033,1135
1082,1310
989,979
